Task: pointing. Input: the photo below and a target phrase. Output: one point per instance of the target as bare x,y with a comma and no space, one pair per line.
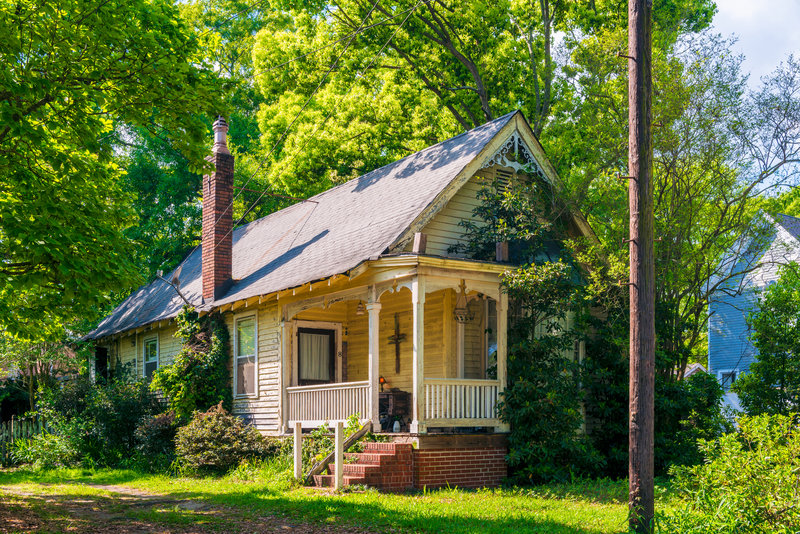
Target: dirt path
129,511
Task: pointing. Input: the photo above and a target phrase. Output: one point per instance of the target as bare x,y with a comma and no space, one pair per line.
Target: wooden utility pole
642,276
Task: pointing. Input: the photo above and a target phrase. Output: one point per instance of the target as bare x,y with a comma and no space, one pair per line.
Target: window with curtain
315,354
150,357
245,356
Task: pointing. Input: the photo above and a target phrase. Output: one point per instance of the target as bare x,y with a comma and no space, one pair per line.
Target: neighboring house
754,265
351,302
693,368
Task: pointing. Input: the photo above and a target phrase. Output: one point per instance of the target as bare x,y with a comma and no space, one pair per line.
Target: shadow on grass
547,509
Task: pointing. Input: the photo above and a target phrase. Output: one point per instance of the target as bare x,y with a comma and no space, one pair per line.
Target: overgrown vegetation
569,417
198,378
543,399
215,441
749,482
95,423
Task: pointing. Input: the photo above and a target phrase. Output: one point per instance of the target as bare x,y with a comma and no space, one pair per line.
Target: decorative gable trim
521,156
516,137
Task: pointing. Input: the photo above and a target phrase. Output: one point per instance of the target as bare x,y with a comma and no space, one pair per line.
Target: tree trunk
642,275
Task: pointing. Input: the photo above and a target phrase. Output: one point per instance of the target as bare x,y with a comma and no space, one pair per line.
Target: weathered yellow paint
444,230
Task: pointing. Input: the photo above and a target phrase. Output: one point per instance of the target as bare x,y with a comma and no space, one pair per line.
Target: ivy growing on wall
198,377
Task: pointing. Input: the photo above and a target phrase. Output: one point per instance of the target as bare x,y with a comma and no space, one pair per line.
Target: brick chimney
218,218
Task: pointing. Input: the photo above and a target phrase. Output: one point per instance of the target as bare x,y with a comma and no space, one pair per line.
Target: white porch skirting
327,403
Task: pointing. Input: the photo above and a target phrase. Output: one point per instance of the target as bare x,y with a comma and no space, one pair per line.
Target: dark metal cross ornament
395,340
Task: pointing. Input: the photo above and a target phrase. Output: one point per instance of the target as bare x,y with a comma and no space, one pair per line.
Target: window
244,357
316,349
726,378
150,357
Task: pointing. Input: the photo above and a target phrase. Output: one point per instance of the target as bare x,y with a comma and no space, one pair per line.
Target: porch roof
329,234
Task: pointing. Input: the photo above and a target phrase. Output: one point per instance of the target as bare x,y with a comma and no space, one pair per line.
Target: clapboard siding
474,341
128,351
263,411
444,229
729,345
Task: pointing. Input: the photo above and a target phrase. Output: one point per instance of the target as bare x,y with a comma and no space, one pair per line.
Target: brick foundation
465,468
464,461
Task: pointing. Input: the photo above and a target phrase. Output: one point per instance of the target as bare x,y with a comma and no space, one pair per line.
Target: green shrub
198,377
155,441
216,441
542,402
686,411
45,451
749,482
99,420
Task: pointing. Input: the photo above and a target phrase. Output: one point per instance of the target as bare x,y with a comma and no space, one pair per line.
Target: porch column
502,348
374,309
418,345
459,350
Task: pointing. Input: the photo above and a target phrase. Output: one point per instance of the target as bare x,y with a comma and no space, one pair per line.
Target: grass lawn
263,495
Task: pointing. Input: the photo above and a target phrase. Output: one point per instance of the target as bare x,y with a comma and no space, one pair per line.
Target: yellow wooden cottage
352,302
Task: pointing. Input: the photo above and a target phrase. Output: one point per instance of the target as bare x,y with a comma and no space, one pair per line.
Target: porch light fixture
361,309
461,313
381,381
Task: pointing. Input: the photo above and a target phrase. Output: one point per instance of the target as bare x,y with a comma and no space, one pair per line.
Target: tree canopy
71,72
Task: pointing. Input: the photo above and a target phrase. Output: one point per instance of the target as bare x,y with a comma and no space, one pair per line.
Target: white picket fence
17,428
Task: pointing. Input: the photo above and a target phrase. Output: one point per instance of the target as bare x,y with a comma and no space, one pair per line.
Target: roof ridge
397,162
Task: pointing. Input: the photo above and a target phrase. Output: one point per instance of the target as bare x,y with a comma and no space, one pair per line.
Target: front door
316,356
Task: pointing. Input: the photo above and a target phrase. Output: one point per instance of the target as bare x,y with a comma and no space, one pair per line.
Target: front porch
425,346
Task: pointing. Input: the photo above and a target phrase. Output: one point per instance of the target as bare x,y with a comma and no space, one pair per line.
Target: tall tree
70,69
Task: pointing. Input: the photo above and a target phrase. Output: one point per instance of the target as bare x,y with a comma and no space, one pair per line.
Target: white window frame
321,325
725,372
257,386
145,341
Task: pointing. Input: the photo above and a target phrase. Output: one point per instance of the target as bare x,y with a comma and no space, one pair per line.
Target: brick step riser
356,469
370,458
391,448
326,481
377,466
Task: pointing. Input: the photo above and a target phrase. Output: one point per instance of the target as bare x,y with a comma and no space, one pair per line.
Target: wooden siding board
444,230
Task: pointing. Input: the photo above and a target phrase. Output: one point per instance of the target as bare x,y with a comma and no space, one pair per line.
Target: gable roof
328,234
790,224
772,242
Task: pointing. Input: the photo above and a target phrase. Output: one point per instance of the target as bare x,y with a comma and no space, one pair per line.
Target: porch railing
327,403
461,402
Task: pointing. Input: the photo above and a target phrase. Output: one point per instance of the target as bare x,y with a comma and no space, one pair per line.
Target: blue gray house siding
729,345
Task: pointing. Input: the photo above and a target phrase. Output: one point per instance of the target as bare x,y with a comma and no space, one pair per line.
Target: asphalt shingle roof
343,227
791,224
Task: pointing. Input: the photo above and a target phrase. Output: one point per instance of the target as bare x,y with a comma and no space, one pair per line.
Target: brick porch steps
386,466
